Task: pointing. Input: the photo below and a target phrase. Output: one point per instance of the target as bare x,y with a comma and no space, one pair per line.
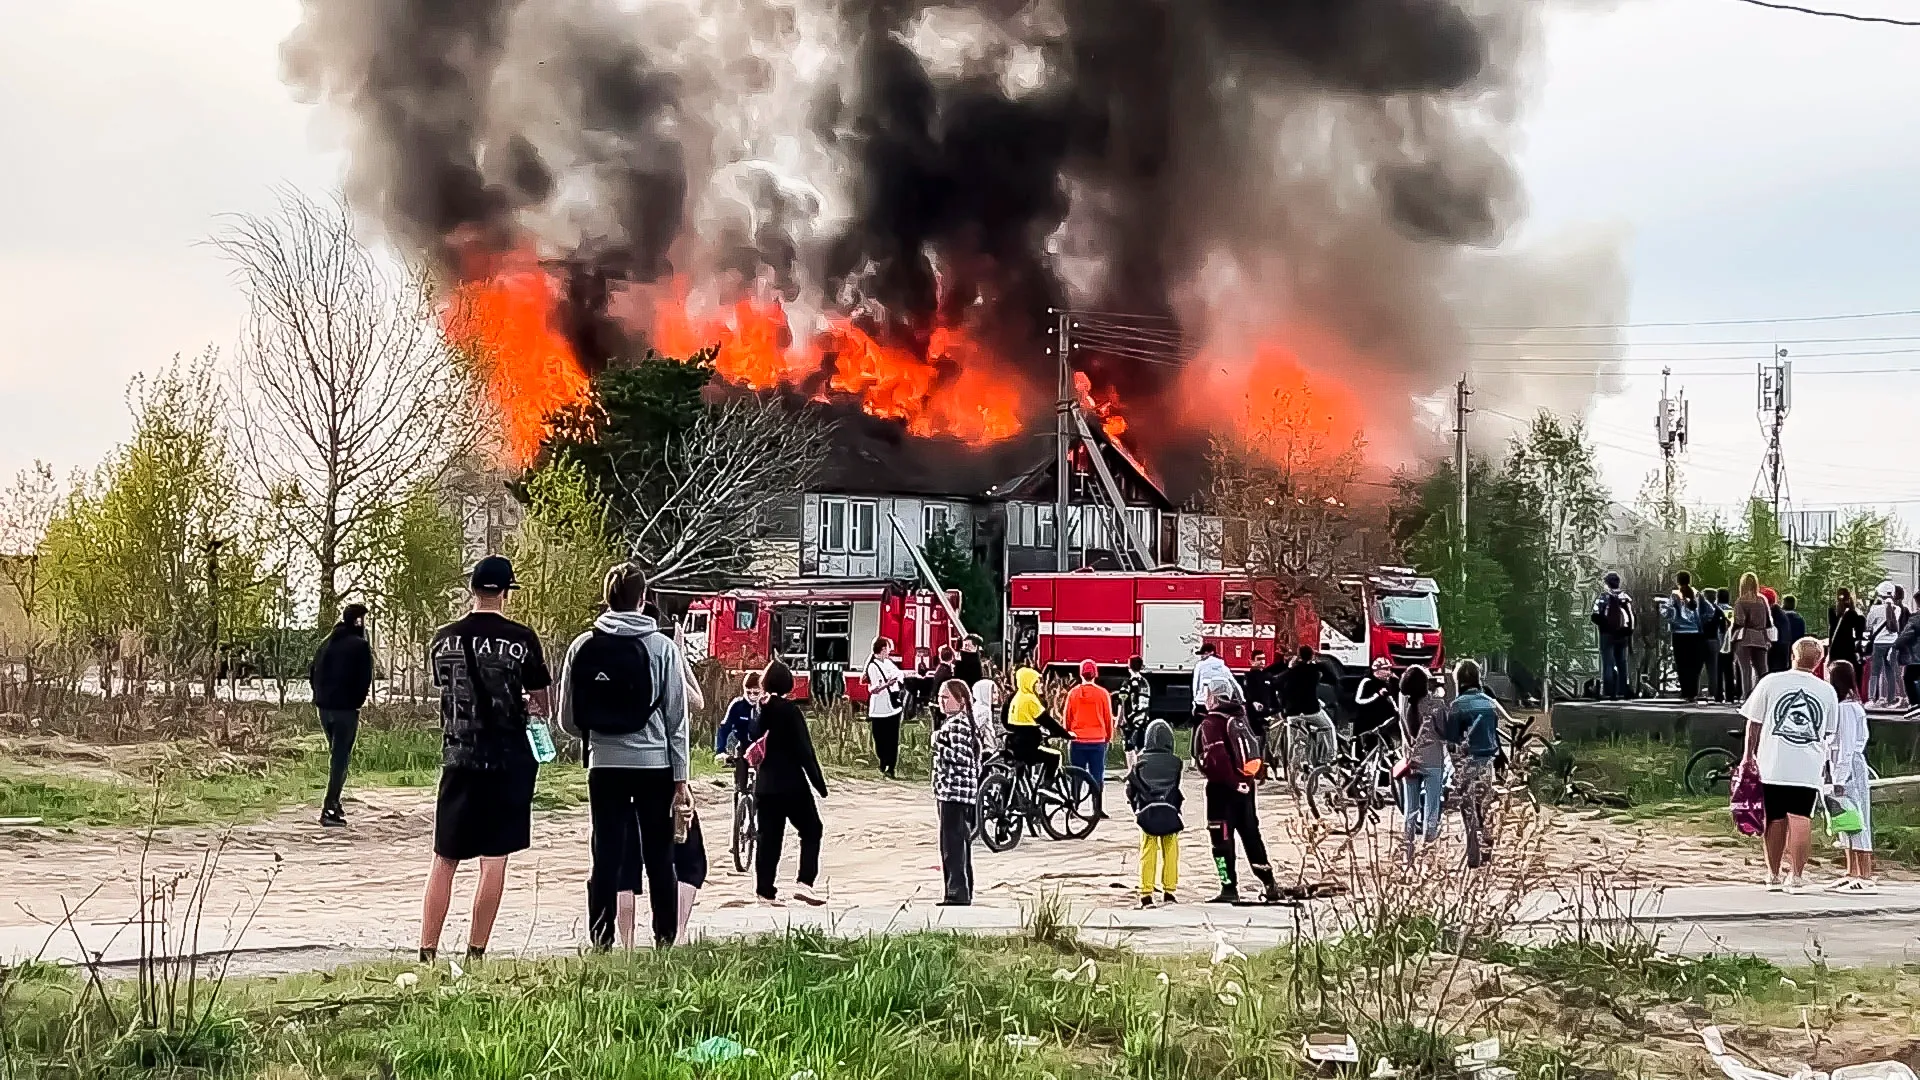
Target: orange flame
1274,403
1107,409
505,320
959,389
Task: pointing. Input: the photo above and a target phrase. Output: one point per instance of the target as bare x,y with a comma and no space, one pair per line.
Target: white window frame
834,512
1140,522
935,517
1043,525
863,527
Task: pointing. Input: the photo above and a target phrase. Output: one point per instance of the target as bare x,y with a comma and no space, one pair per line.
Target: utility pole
1460,411
1060,436
1670,426
1774,401
213,614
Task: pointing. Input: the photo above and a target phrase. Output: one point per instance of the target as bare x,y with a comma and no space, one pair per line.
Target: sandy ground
355,891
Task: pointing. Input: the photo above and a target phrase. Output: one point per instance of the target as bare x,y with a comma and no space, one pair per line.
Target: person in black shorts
491,674
689,871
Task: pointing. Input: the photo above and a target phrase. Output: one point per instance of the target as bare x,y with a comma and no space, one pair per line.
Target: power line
1756,342
1707,322
1848,15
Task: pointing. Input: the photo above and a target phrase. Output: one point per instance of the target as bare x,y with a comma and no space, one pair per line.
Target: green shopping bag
1844,819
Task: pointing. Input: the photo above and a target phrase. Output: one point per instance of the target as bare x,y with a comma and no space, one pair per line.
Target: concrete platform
1698,723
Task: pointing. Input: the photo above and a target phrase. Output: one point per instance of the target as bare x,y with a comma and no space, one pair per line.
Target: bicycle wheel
997,820
1333,796
1710,771
745,834
1066,804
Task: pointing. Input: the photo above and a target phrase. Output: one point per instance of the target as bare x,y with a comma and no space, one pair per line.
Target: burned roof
871,456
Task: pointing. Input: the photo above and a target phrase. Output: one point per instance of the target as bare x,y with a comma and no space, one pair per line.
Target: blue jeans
1420,794
1091,756
1613,666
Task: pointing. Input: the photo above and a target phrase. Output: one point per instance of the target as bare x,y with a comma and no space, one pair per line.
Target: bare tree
1285,491
348,396
27,507
694,512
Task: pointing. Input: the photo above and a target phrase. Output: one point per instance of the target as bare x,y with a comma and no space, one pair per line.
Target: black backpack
612,684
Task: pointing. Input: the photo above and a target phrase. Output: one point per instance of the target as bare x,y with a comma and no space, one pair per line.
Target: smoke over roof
1301,171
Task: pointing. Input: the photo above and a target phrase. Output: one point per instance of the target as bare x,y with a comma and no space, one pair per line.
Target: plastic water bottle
541,740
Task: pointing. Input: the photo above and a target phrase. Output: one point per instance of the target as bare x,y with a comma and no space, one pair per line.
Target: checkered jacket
956,760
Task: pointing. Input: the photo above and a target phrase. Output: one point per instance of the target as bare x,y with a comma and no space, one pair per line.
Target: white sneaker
1844,884
1796,887
806,895
1775,883
1861,887
769,901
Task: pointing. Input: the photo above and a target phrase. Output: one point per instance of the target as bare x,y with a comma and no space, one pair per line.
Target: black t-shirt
1300,689
509,666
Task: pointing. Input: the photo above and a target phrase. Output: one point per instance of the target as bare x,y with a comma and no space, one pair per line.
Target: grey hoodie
655,746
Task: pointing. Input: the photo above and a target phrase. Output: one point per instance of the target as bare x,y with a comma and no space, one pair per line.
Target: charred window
1237,608
832,634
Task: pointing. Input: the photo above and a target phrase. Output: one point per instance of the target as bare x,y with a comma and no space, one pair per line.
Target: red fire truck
822,628
1163,616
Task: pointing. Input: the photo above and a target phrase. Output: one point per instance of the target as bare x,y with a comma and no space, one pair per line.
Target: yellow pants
1159,859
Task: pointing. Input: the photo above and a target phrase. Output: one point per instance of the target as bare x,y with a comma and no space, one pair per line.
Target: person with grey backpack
623,693
1153,791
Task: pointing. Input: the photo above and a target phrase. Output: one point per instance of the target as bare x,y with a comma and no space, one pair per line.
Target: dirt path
355,892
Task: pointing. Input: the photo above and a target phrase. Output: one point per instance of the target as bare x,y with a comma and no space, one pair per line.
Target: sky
1757,165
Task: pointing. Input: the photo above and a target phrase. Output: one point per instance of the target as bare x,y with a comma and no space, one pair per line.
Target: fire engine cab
1163,616
1392,613
822,628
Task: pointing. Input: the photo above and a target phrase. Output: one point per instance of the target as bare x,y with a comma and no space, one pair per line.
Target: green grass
912,1006
1651,774
197,784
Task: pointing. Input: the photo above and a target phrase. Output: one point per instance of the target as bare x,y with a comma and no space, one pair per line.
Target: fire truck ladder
926,570
1133,550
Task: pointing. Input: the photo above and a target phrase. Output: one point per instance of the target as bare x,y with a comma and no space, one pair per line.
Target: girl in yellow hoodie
1029,724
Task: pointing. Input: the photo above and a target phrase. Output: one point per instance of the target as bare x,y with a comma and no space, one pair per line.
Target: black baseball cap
493,574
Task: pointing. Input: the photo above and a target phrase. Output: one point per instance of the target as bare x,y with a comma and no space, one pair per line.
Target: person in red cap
1089,722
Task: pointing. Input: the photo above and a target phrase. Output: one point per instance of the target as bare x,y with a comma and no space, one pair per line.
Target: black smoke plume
1236,165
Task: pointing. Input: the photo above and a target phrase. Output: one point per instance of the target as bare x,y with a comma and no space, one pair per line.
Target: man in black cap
341,676
491,673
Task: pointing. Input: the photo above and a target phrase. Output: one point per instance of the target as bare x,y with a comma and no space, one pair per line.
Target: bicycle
746,816
1284,733
1013,801
1711,770
1355,790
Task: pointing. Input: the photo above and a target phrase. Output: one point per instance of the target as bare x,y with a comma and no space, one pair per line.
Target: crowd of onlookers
1724,641
1804,700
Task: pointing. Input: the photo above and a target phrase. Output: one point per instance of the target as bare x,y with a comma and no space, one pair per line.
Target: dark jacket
1780,650
968,668
1906,647
342,671
1262,693
1153,787
789,767
1849,630
1212,751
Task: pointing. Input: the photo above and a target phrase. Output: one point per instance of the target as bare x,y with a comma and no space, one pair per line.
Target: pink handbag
1749,808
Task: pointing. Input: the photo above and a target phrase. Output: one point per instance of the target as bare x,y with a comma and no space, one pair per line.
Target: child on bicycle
1153,791
1029,724
736,731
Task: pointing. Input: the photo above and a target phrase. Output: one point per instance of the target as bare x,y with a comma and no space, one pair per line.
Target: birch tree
348,396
